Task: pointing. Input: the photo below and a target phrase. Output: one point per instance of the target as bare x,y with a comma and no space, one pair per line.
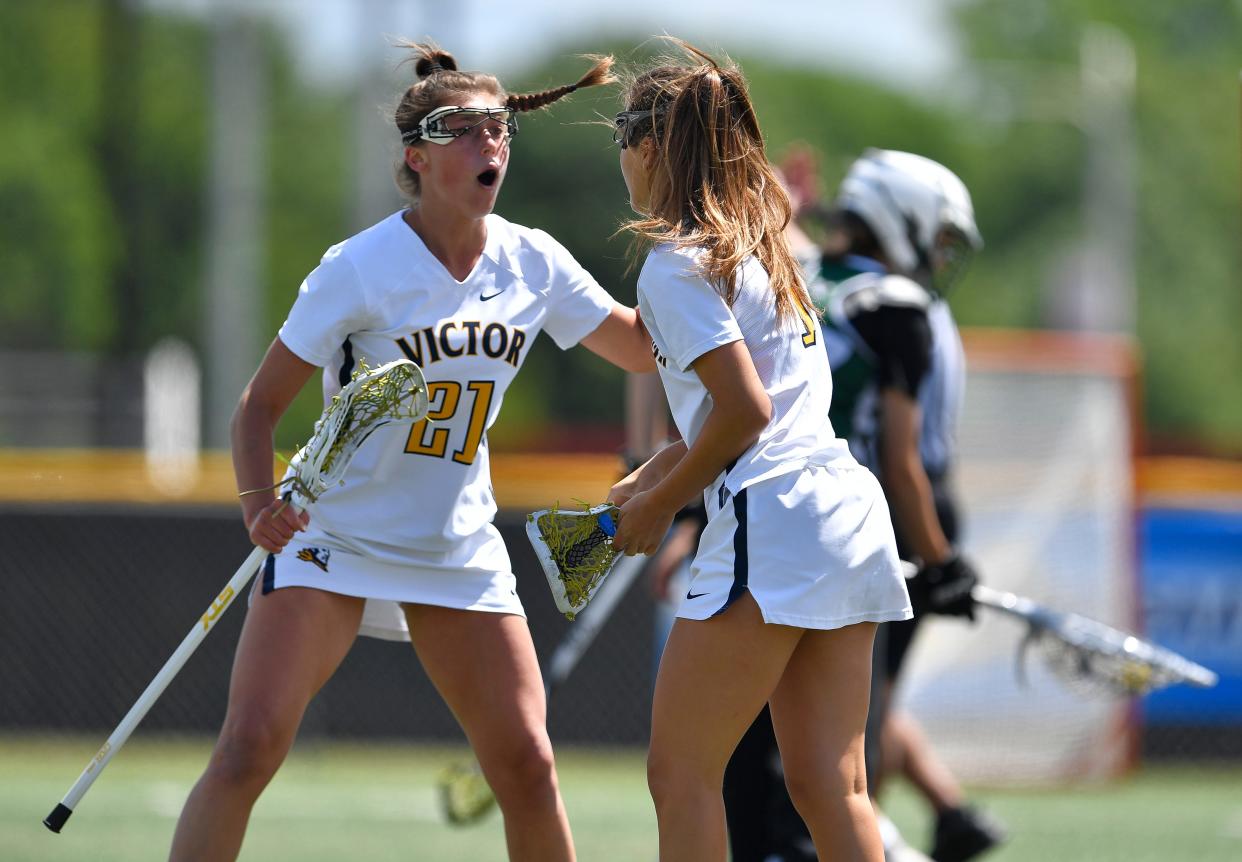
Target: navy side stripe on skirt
269,574
741,568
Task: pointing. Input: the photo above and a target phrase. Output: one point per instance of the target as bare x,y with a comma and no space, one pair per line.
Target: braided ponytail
600,73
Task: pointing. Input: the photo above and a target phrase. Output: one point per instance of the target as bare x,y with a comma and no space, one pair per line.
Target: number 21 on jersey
446,398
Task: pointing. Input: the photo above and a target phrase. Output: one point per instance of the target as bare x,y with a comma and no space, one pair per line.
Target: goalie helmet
917,208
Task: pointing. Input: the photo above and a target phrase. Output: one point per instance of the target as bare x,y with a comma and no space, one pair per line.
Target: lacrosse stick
1090,655
575,551
463,791
395,392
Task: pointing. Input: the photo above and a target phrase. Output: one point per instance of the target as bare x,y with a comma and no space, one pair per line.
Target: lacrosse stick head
465,796
374,397
1093,658
576,552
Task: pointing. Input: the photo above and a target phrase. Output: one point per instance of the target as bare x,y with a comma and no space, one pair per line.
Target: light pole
1094,290
236,223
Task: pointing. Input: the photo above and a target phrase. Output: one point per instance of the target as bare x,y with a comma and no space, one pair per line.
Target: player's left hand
642,524
626,488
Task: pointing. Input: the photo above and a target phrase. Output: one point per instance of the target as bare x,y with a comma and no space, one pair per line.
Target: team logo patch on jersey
318,556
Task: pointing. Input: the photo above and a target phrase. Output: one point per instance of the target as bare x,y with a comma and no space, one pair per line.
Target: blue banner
1191,582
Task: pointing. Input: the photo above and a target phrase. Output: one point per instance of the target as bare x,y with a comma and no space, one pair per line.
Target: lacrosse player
902,229
406,548
797,562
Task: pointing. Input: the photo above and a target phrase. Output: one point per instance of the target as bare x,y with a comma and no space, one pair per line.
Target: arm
280,377
646,416
623,340
740,411
646,431
900,336
944,581
906,484
648,475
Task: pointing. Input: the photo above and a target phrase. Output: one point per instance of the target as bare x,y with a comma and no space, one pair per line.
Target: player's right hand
273,526
642,524
944,589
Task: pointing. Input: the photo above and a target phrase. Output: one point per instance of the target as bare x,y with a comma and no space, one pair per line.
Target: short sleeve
685,314
900,337
577,304
331,304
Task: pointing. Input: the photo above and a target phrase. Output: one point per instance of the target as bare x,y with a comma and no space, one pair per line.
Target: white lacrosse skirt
813,546
475,575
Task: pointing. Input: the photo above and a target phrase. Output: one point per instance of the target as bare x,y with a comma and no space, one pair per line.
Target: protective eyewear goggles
625,124
444,125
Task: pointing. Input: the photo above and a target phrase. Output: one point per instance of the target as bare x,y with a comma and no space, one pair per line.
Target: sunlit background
171,169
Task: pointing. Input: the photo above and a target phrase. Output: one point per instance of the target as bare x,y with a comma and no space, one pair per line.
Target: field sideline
376,803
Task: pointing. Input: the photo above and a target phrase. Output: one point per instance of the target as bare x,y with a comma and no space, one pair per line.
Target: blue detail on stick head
607,524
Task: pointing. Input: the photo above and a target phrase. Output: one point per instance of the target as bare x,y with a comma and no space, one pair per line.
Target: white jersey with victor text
412,492
688,317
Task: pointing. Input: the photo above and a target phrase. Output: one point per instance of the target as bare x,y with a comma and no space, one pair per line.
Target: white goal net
1046,485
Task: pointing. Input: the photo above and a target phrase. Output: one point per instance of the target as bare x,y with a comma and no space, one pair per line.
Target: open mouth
488,177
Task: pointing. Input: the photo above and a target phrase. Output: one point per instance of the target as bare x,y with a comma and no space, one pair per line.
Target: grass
377,803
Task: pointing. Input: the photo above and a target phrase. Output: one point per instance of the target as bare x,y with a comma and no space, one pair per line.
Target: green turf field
334,802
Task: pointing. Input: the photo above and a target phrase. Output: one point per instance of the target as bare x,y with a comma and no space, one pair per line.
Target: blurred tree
1188,255
1025,166
57,236
102,179
100,189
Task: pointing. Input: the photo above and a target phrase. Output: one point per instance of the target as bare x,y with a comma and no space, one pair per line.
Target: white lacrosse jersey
687,317
381,295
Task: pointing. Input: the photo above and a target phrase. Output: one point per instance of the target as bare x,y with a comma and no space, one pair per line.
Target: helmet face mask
450,122
950,258
919,211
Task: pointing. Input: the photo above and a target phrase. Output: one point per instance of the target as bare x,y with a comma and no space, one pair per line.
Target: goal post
1045,479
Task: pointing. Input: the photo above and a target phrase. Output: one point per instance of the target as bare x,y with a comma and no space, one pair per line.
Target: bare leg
819,710
292,642
714,678
484,666
911,754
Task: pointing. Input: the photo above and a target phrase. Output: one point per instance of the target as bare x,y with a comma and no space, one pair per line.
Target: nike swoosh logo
486,297
692,595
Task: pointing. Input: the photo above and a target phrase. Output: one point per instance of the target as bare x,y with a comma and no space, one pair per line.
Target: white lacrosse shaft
147,699
565,658
592,618
322,461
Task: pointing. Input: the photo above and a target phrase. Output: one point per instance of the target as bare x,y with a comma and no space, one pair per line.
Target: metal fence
97,598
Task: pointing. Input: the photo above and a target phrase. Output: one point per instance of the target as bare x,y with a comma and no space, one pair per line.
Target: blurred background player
907,229
900,232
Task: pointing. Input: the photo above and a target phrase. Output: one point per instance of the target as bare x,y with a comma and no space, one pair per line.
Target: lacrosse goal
1046,484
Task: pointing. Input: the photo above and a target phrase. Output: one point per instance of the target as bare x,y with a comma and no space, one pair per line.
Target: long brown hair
439,83
712,185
